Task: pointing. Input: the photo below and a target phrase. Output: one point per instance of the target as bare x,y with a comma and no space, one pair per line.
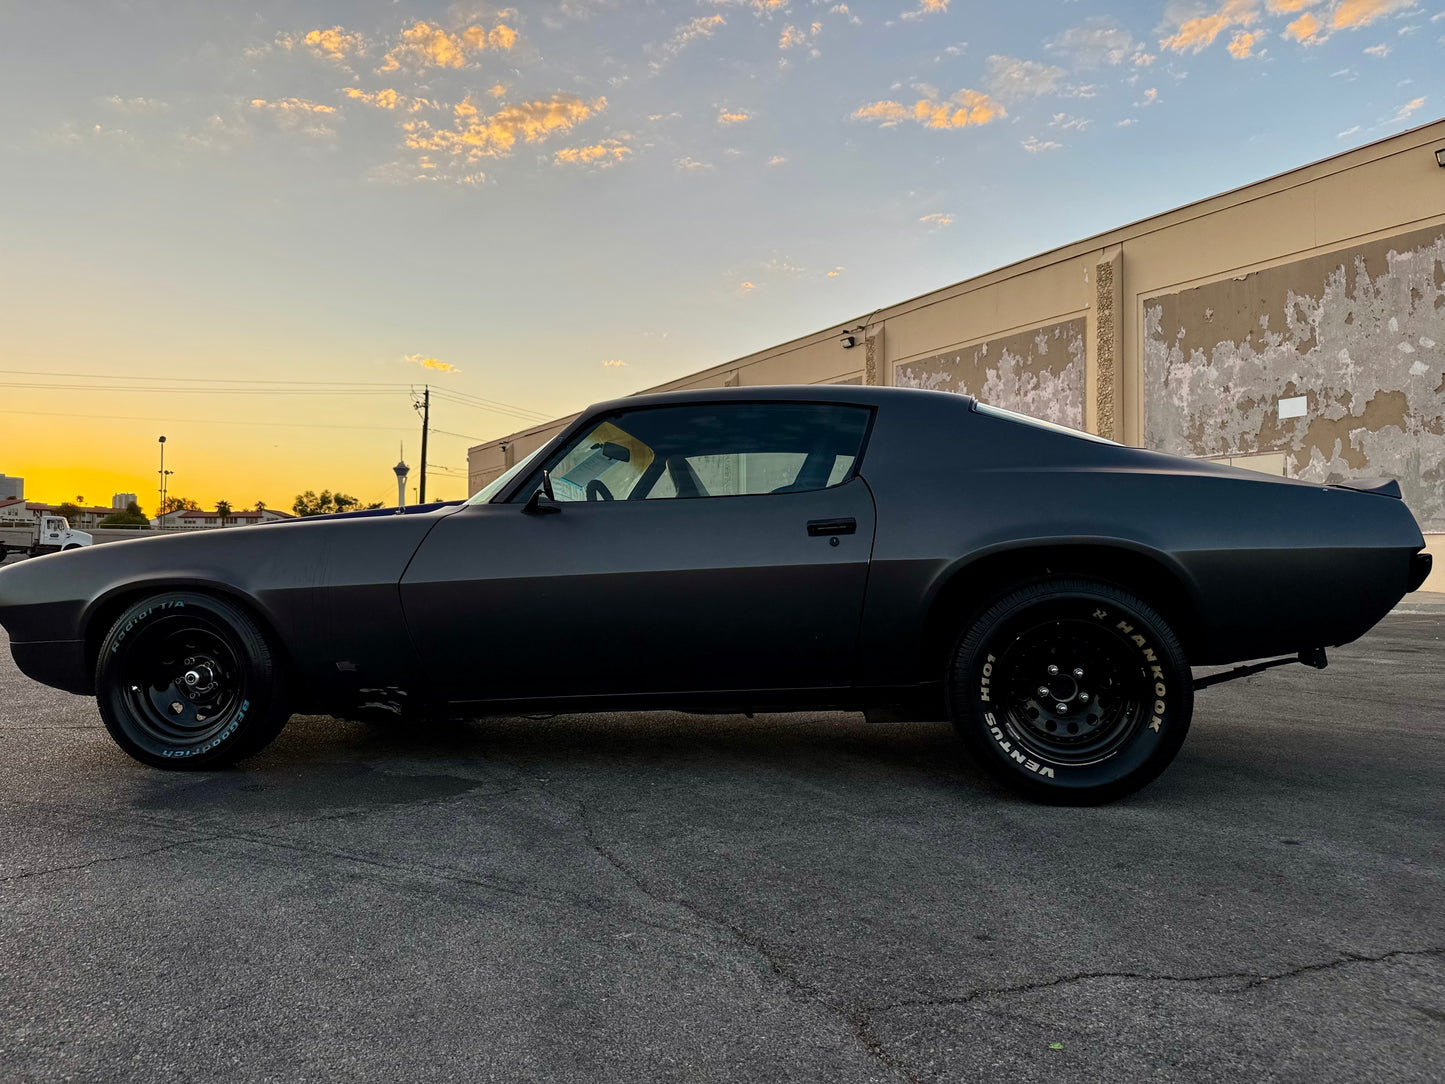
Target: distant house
197,519
28,512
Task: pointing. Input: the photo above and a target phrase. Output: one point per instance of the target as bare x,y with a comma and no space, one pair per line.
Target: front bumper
58,663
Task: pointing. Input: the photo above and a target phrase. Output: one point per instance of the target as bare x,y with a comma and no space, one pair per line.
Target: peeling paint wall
1038,372
1360,334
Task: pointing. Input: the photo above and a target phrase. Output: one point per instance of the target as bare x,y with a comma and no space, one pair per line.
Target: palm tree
223,509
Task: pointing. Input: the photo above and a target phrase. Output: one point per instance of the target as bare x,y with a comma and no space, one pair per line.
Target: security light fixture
848,342
1440,157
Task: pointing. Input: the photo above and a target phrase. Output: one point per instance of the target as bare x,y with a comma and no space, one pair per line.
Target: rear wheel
186,680
1071,691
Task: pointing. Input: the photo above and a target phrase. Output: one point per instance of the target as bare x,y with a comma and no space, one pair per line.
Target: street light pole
161,508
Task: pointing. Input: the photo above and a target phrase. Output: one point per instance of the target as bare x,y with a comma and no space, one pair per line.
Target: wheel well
105,614
973,588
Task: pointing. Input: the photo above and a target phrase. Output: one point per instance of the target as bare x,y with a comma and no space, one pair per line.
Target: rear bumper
1419,570
58,663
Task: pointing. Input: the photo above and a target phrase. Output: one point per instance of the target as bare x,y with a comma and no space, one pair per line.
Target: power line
478,402
397,385
254,386
187,390
174,420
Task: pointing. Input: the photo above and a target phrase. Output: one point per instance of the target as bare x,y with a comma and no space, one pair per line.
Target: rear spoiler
1384,487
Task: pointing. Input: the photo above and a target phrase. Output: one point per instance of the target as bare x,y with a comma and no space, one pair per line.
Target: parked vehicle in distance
48,534
911,554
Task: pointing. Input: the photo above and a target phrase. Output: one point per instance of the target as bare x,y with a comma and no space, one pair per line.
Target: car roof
868,395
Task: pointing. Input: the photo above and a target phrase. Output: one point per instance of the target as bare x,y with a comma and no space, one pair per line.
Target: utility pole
425,425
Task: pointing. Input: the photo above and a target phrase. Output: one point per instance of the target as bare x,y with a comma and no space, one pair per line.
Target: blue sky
569,200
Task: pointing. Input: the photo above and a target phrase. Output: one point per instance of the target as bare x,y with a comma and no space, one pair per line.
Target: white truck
49,534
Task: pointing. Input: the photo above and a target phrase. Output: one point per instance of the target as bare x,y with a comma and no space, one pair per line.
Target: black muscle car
911,554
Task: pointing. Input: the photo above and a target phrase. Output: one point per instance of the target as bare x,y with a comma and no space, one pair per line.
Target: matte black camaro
912,554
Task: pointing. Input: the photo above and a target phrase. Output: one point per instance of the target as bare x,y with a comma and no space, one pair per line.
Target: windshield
499,483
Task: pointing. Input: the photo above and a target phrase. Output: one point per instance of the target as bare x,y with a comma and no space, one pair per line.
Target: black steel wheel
187,680
1071,691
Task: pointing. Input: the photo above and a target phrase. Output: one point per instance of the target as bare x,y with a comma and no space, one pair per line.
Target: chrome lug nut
1044,691
1053,670
1078,673
1061,708
1083,698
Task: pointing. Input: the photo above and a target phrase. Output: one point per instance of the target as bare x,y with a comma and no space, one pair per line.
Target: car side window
606,464
711,450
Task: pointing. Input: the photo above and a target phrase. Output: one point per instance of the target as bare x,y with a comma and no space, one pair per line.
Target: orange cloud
1356,13
475,135
382,99
607,153
964,108
334,44
726,117
426,45
1284,7
1304,28
432,363
1403,113
300,115
496,90
291,105
791,38
1197,34
1242,44
937,221
704,26
926,7
886,113
614,363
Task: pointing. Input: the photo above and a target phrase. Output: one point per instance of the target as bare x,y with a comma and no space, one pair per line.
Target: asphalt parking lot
790,897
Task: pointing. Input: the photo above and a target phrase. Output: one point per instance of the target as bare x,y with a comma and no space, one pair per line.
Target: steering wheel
597,490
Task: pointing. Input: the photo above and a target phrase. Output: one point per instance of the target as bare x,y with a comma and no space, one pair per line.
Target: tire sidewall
258,692
975,677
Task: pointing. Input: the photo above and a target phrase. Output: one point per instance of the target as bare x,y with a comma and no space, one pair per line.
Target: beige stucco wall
1378,193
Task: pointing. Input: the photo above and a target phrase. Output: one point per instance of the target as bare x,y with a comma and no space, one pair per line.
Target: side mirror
542,502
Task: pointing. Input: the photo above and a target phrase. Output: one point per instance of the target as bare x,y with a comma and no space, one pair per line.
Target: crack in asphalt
860,1018
856,1020
109,858
1250,979
263,836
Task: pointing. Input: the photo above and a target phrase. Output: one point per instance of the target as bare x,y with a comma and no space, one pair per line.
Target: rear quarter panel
1270,565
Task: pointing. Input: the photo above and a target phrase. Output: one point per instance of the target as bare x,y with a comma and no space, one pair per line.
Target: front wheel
1071,691
186,680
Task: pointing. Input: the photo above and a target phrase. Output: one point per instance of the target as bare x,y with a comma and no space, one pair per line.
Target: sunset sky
252,227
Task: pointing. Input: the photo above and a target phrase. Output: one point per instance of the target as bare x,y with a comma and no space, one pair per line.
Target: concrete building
1296,325
120,501
11,489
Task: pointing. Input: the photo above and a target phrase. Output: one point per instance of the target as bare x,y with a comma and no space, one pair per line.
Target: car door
700,574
